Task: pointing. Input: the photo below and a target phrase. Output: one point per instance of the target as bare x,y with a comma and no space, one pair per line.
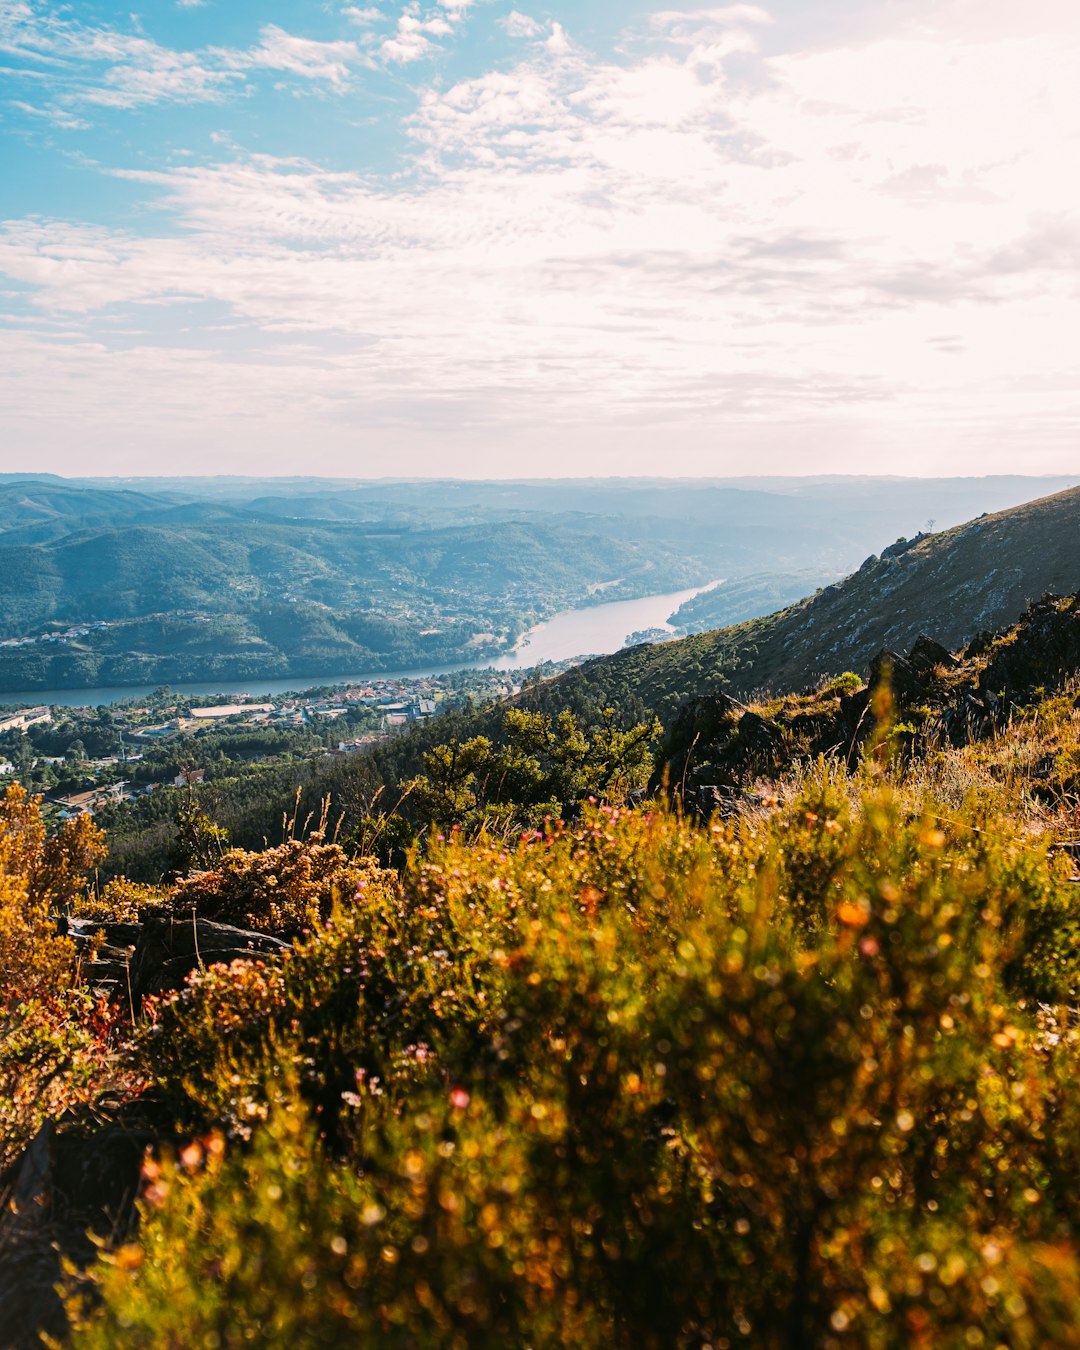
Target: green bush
777,1081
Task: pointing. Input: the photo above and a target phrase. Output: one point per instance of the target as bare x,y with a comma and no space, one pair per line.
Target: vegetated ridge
949,586
235,580
237,599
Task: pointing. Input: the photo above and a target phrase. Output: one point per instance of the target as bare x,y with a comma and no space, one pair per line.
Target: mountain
949,585
236,599
242,579
743,598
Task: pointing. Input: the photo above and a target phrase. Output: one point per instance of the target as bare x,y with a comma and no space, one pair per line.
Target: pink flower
459,1098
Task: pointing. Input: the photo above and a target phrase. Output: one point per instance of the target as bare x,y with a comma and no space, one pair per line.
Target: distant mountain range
242,579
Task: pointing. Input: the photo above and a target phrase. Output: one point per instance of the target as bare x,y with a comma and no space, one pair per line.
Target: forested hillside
155,603
950,586
178,581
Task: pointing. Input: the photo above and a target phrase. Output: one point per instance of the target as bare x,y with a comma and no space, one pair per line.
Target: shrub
636,1083
286,889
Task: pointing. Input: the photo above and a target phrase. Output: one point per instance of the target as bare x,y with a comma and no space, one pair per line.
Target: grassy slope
950,586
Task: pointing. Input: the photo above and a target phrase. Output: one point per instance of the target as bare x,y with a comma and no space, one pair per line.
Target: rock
927,654
903,678
169,949
902,546
757,742
83,932
1044,653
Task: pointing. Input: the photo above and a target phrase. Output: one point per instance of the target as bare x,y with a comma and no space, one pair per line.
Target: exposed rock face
1046,645
156,956
927,655
713,746
716,748
169,949
902,546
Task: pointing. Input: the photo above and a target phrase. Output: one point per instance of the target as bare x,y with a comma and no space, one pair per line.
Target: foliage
46,1034
632,1082
801,1076
200,842
40,876
846,683
541,767
122,901
286,889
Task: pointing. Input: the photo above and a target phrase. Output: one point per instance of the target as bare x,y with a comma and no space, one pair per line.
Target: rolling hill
238,579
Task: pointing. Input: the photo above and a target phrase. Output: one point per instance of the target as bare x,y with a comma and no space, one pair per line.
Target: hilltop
949,586
630,1081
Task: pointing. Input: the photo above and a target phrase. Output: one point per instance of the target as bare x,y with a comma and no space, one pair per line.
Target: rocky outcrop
713,747
717,748
118,960
169,949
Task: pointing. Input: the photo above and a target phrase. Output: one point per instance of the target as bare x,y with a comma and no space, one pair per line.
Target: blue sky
495,239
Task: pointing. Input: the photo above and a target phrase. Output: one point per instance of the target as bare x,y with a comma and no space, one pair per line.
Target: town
83,759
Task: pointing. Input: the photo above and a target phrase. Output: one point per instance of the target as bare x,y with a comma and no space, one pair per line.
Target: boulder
927,655
169,949
904,679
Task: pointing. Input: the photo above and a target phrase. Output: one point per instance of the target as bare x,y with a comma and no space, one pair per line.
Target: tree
201,842
541,768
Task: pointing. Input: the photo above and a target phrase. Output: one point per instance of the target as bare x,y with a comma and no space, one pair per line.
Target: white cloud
312,60
88,65
868,249
519,25
410,43
690,20
363,16
58,116
142,72
415,29
558,43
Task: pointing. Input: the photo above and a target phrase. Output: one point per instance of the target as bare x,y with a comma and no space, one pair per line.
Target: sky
490,239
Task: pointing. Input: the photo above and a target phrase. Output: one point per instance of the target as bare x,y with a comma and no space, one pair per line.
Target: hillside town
85,758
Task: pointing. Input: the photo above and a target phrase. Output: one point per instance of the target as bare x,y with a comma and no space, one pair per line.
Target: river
595,630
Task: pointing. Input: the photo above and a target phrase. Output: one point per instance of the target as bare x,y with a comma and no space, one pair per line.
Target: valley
200,581
595,925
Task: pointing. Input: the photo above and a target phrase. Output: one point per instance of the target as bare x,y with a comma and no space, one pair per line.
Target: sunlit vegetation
582,1068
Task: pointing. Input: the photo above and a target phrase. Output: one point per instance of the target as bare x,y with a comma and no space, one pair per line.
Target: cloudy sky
455,236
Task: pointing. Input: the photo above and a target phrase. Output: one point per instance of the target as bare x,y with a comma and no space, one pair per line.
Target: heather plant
122,901
46,1025
780,1080
285,889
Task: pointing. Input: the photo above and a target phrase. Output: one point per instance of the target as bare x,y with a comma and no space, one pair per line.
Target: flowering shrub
121,901
45,1034
777,1081
282,890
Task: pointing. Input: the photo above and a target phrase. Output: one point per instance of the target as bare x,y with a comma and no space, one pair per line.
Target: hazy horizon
390,479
